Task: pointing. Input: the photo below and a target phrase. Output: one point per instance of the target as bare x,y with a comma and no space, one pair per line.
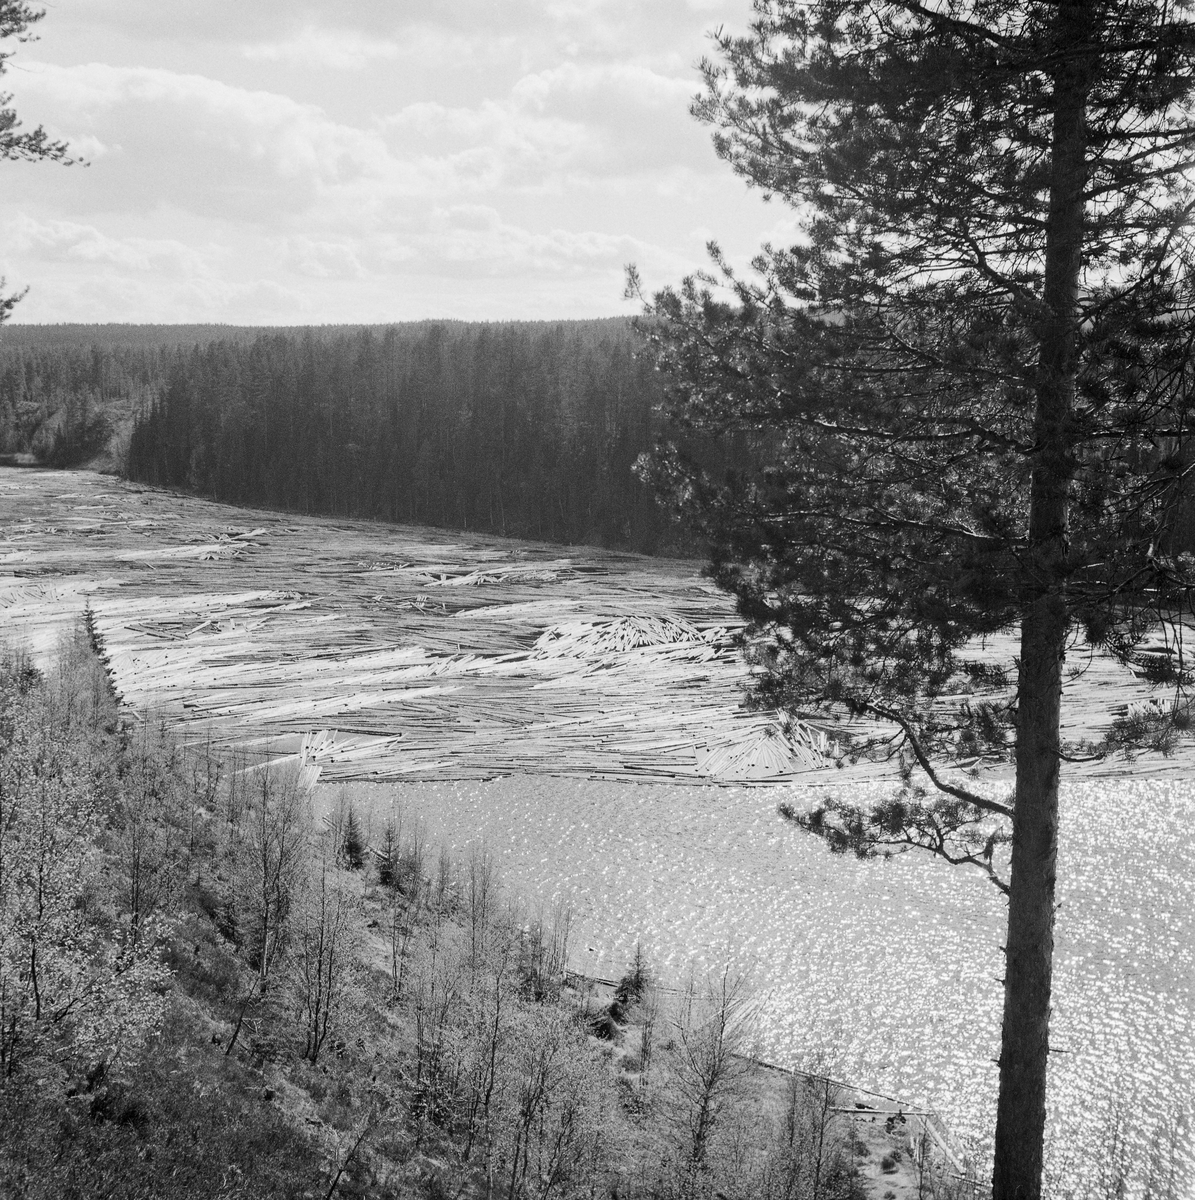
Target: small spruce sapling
353,847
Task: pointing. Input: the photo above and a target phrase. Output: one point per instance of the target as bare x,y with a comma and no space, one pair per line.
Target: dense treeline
66,390
152,337
518,429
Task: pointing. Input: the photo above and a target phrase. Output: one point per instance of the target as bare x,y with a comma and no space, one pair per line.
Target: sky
310,162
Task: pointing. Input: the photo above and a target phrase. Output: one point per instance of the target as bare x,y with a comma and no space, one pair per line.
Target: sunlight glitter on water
893,966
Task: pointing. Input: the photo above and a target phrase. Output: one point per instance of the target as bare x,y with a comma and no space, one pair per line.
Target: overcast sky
262,161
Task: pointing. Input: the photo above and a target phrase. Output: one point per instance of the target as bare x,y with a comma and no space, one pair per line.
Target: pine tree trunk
1021,1111
1024,1052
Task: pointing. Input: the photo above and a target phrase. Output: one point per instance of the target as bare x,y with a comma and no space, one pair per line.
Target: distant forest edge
525,429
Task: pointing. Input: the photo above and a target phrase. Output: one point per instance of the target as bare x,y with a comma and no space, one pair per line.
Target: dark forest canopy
522,428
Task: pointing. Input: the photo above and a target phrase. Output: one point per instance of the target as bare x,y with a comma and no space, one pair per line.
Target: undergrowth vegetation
204,992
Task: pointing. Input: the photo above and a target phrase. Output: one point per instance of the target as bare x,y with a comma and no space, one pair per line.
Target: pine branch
950,789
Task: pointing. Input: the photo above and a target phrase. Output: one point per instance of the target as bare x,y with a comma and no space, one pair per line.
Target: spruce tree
353,847
967,390
388,874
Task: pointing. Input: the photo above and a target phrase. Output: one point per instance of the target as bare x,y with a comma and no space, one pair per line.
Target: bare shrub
543,957
705,1073
809,1152
436,1002
328,939
268,857
479,900
552,1116
151,828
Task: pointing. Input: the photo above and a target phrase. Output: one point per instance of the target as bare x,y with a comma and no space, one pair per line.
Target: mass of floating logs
414,653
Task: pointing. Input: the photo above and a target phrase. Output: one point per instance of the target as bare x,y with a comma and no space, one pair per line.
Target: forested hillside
527,429
62,403
66,391
512,429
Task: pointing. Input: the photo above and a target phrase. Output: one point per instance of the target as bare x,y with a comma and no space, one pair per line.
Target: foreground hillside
205,992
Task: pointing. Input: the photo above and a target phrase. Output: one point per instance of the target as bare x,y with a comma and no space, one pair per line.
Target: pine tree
16,18
967,390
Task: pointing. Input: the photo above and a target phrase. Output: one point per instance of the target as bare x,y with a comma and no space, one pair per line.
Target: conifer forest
520,429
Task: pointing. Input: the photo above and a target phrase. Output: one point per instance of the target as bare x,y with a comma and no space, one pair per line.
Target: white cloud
568,123
458,155
257,155
636,118
83,146
578,86
322,260
476,237
197,142
61,241
489,147
344,50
